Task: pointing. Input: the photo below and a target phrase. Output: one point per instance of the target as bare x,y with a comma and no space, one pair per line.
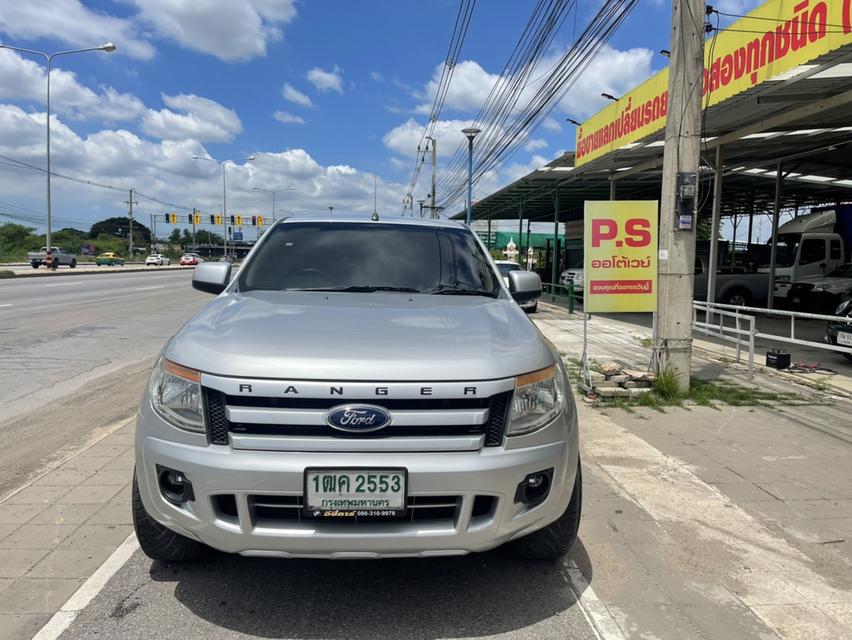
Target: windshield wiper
358,288
443,290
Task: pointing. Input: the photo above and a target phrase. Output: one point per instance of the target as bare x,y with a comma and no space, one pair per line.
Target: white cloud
468,90
534,144
287,118
70,22
551,125
403,139
326,80
24,80
292,94
201,119
231,30
165,170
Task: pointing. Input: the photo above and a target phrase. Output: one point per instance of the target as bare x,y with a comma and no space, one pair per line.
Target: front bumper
491,472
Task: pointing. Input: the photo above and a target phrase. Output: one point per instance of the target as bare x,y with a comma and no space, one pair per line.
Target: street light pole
273,192
224,193
470,133
108,47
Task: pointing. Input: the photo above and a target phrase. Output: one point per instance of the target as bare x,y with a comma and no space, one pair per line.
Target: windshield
506,268
787,248
368,257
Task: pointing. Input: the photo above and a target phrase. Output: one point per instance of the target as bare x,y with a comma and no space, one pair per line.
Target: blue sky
348,80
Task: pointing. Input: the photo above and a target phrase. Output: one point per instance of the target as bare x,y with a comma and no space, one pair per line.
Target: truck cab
812,245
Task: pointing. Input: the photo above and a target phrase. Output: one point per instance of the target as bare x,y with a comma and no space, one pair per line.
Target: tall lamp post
224,163
273,192
470,133
108,47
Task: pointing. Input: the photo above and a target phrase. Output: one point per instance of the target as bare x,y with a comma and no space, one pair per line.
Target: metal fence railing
714,324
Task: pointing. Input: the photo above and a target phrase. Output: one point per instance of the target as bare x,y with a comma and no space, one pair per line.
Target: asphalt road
75,355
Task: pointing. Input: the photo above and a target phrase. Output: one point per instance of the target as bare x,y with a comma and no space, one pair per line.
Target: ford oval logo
360,418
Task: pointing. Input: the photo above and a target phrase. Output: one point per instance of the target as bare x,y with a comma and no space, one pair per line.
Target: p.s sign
620,242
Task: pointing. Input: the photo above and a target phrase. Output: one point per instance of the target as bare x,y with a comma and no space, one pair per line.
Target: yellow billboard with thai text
776,37
620,247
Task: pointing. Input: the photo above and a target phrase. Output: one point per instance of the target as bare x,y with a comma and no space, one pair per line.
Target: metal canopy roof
802,118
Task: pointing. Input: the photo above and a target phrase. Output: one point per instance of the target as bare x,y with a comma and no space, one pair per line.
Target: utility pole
130,204
434,145
679,190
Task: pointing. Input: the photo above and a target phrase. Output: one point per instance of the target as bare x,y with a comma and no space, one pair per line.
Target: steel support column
714,228
773,255
555,258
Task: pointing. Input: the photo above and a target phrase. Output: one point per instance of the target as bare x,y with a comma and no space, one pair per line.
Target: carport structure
782,144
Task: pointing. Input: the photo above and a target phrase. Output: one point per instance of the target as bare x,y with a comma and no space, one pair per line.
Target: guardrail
745,337
560,291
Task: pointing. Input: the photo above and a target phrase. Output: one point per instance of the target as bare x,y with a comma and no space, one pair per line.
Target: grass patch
665,393
5,273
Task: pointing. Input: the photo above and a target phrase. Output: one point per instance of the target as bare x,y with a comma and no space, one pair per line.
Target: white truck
815,244
57,258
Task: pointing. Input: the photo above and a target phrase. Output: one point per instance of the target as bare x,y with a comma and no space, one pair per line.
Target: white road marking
6,305
159,286
62,284
594,611
81,598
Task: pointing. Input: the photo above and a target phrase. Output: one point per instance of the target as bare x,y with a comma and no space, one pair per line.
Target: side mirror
525,286
211,277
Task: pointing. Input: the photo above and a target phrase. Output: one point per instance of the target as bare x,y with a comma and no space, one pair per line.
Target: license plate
844,338
351,493
797,300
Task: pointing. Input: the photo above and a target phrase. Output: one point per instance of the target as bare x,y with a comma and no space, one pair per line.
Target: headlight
176,395
537,400
841,309
820,288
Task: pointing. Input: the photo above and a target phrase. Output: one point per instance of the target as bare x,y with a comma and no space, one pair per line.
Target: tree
208,237
187,237
175,237
118,228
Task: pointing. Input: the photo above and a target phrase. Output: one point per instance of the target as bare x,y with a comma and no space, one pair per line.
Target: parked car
57,258
157,259
361,389
821,293
110,259
227,259
735,284
507,266
190,259
840,333
574,276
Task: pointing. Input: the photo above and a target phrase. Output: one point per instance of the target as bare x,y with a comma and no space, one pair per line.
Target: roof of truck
367,219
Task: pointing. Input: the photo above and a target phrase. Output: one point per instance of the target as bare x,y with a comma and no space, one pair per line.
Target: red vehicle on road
190,259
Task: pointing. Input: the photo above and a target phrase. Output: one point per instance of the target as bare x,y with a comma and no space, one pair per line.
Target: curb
46,273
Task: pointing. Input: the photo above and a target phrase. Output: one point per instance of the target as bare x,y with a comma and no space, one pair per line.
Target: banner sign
775,38
620,251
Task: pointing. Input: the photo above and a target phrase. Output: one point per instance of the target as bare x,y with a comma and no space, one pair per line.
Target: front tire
159,542
73,263
737,297
557,538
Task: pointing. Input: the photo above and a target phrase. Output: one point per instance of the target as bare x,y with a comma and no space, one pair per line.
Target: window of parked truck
834,250
347,256
813,250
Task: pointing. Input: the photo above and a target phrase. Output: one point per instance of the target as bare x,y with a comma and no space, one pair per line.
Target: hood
360,336
826,283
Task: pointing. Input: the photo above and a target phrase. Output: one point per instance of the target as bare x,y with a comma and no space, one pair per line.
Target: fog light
174,485
534,488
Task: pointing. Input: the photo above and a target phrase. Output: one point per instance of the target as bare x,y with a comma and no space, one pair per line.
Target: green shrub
666,385
6,274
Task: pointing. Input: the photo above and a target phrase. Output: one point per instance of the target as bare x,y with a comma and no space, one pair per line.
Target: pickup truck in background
811,245
734,284
58,257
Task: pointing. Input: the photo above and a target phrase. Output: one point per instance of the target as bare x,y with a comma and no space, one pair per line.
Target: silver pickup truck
360,388
57,258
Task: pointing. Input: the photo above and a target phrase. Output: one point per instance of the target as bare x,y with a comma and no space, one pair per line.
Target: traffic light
173,217
218,219
212,219
239,220
260,221
254,221
197,218
232,220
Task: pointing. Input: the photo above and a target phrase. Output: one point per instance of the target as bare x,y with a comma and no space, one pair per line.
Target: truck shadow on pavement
475,595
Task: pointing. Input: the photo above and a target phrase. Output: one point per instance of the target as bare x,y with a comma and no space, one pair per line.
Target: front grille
219,426
275,508
217,423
